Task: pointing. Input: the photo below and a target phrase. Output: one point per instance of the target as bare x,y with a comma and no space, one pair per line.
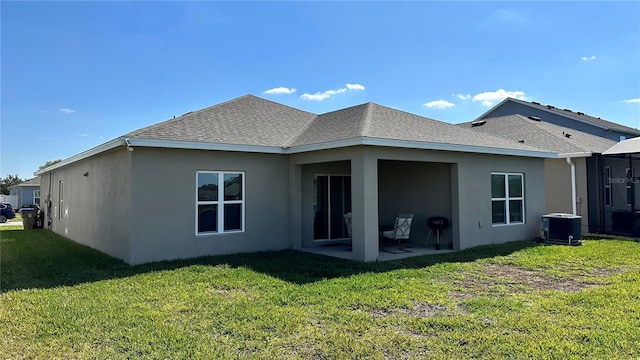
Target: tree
8,181
49,163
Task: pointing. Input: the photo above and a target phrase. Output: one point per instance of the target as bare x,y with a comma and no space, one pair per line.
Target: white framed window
61,200
36,197
219,202
507,198
607,186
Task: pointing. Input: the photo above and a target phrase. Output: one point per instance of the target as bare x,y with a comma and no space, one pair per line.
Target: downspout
573,185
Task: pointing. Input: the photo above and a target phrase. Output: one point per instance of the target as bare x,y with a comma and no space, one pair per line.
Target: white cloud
66,110
462,96
84,135
439,104
355,87
315,97
491,98
631,101
319,96
280,90
588,58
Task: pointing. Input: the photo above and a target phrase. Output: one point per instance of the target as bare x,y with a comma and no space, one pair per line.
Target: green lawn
518,300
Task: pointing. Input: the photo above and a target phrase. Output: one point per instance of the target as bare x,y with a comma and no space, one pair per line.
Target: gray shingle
250,120
541,134
375,121
247,120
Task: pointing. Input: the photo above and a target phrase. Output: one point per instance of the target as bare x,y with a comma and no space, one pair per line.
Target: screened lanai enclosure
620,194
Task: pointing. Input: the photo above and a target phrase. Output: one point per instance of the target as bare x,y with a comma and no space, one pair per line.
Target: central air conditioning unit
562,229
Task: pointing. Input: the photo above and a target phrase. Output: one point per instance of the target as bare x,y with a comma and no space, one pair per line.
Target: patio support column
364,193
295,204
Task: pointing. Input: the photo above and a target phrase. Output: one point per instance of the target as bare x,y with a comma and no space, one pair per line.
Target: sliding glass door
332,199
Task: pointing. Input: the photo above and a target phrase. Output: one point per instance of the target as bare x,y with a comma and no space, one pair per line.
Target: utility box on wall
560,228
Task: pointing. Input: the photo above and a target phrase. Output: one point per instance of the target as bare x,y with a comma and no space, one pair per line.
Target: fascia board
173,144
420,145
195,145
575,155
83,155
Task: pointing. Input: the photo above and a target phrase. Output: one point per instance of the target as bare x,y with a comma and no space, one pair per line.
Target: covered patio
331,189
344,251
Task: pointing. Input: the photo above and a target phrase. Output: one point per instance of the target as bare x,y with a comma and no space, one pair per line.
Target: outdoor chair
401,231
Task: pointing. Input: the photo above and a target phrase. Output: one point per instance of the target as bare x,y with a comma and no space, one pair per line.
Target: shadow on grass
42,259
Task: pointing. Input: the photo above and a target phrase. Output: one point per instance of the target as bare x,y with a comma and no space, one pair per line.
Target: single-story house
603,182
27,192
254,175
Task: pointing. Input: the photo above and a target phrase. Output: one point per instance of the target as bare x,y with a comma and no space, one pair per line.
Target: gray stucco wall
95,208
469,184
510,108
164,204
558,188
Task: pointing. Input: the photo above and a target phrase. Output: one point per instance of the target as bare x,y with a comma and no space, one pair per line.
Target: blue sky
77,74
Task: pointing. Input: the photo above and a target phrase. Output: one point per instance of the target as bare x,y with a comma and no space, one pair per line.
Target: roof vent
521,141
537,103
569,110
550,107
580,113
478,123
534,118
567,135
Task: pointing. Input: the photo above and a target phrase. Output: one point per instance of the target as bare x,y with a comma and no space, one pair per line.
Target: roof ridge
366,122
181,117
301,131
208,108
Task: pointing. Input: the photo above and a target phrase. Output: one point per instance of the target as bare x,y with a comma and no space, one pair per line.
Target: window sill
510,224
219,233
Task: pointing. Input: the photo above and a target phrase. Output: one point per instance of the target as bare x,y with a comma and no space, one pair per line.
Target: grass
517,300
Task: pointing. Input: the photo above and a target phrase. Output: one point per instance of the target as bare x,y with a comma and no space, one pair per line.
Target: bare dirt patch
418,310
515,279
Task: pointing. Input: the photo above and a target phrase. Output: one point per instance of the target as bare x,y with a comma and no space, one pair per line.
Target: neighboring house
603,198
567,118
253,175
27,192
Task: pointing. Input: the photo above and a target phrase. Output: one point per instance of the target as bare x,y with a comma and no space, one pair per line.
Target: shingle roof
30,182
540,134
375,121
250,120
628,146
247,120
577,115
